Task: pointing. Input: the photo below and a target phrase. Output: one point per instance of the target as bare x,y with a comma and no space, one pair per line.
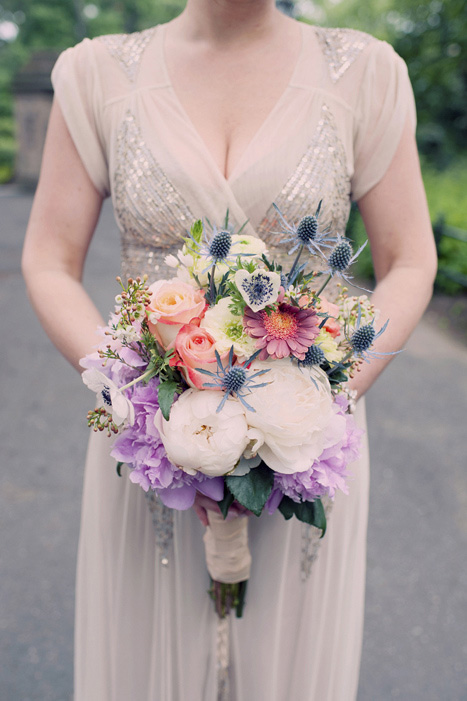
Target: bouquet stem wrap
228,560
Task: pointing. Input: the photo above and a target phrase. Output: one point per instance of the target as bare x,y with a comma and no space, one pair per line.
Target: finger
201,514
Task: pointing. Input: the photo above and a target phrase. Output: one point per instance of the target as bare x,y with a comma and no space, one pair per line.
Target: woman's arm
397,221
63,218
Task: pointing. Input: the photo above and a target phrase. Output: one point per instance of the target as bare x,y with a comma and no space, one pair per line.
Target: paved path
415,645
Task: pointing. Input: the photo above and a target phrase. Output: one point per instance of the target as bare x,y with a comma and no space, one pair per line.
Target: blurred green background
430,36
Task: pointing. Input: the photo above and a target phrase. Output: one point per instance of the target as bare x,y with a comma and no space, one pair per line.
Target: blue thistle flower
339,260
216,248
363,337
307,229
307,233
234,380
220,245
341,256
313,356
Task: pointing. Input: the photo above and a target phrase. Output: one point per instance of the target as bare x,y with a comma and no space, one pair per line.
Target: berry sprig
132,301
100,420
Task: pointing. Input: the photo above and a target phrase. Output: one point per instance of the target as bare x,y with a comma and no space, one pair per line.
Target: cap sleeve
76,84
385,102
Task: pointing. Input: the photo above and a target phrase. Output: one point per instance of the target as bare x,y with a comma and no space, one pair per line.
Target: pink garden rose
195,348
173,304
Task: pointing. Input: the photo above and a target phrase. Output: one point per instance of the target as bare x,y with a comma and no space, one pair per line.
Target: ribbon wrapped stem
228,560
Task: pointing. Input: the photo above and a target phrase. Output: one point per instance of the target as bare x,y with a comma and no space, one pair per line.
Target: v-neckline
235,172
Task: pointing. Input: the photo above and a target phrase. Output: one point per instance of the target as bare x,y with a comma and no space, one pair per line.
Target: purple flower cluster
140,446
329,472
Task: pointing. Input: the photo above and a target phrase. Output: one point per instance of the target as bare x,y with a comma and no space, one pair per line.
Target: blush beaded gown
145,627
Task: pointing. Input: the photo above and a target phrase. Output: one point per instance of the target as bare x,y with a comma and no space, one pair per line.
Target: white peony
294,414
227,329
198,439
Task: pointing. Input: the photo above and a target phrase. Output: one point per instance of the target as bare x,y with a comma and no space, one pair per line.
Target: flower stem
295,263
340,364
317,294
212,285
227,597
147,374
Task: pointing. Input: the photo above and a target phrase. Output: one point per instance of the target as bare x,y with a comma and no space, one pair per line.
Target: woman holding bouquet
229,106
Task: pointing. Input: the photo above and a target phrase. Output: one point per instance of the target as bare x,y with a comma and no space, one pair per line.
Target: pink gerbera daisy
285,331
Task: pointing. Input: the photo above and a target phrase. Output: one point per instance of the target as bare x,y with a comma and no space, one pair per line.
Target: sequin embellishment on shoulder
128,49
341,47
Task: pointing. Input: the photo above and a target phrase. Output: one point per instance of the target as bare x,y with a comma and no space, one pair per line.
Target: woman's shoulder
348,51
121,53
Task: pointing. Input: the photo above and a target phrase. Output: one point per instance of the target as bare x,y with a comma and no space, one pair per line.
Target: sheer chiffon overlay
145,626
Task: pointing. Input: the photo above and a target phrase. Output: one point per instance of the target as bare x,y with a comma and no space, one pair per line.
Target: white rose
329,346
227,329
252,245
192,268
294,414
198,439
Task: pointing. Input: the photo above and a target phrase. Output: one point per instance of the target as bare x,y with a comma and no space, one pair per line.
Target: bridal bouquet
230,380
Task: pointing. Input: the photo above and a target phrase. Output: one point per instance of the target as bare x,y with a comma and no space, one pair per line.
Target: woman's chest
228,96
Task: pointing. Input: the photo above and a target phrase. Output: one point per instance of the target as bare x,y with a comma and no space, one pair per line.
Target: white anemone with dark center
259,288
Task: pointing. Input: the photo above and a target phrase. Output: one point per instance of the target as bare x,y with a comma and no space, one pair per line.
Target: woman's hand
204,504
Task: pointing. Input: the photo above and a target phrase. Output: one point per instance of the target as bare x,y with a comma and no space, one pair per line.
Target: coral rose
332,326
173,304
196,349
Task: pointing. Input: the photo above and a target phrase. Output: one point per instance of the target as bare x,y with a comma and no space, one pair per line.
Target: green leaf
286,507
311,512
165,396
226,502
119,468
197,230
252,490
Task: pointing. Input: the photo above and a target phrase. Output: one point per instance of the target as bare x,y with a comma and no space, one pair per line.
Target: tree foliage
432,38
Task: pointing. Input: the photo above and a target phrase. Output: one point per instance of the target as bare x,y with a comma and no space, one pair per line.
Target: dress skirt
145,625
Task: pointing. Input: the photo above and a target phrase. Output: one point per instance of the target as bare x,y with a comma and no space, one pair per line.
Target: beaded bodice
151,209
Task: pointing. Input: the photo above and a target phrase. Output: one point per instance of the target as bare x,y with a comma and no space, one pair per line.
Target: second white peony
295,415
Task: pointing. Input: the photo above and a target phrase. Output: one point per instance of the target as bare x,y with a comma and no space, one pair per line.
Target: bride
233,106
